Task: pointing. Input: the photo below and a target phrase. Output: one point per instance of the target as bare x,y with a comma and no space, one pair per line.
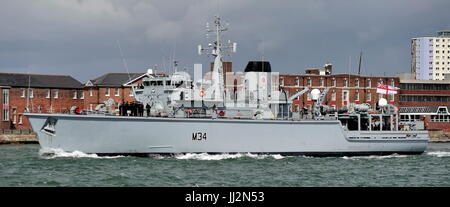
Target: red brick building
38,93
115,86
425,100
344,89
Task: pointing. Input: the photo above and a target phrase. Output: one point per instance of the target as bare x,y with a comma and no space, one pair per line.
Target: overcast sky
80,37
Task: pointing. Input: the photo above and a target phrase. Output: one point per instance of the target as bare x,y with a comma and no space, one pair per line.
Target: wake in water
439,154
206,156
379,157
51,153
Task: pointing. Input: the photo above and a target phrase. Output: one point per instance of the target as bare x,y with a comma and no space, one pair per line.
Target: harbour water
25,165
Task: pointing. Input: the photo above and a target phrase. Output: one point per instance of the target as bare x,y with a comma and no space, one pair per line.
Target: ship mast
216,49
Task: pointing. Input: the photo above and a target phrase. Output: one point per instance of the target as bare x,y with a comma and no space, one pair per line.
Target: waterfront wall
18,136
439,136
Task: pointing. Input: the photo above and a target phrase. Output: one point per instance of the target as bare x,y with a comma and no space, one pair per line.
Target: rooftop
39,81
443,33
114,79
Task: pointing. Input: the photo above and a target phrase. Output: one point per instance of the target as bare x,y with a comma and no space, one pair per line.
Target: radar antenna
216,49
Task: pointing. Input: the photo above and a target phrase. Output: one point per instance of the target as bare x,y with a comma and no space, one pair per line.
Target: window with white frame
74,94
116,91
369,83
55,93
297,82
345,96
107,92
322,82
22,93
281,81
14,113
90,92
380,81
5,95
369,96
48,93
30,92
81,94
333,82
357,83
333,96
309,82
356,96
345,83
131,92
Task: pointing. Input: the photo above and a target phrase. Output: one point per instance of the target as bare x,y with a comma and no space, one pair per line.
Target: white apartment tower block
430,56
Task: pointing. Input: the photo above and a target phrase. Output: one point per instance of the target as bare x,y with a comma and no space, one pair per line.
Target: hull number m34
199,136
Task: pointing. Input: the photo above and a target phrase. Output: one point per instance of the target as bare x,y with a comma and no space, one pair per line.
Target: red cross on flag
386,89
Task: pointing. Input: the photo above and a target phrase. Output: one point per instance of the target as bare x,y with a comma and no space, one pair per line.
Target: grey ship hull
108,135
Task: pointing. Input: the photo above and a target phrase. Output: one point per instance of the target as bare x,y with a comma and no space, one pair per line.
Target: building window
322,82
107,92
357,83
345,83
380,82
90,92
116,91
131,92
369,83
344,96
5,94
308,82
308,97
369,96
333,96
14,113
30,92
20,118
392,82
81,94
333,82
297,82
74,92
356,96
392,97
281,83
22,92
55,93
48,93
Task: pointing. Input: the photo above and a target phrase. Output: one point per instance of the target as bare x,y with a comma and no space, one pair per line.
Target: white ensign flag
386,89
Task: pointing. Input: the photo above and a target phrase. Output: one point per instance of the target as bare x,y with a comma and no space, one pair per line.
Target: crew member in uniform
147,108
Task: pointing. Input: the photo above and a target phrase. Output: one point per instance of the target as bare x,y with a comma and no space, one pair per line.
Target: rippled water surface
24,165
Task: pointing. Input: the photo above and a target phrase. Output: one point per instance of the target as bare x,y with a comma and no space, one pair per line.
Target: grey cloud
79,37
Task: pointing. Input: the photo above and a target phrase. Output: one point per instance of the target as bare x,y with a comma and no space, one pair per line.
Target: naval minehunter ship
208,116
